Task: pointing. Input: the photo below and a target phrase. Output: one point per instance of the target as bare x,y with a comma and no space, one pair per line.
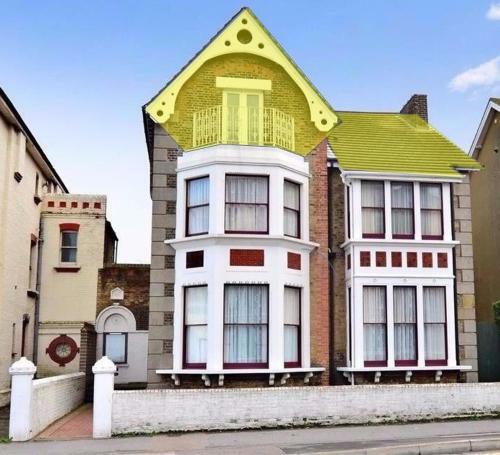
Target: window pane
198,220
435,323
68,254
196,344
374,314
196,305
373,221
405,328
434,304
374,302
430,196
291,343
115,347
435,344
402,195
245,343
246,189
372,194
405,305
198,191
291,195
245,304
69,238
291,222
431,222
292,305
252,218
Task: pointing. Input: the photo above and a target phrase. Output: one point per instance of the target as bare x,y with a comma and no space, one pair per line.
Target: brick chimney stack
417,104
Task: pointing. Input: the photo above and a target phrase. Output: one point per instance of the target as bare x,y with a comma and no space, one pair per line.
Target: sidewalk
76,425
418,438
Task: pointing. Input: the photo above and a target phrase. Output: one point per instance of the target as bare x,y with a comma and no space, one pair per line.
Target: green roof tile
395,143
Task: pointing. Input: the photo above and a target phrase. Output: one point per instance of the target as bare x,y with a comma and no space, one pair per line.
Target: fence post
104,381
22,373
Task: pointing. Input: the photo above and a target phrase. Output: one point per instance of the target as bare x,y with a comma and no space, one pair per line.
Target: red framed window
403,223
431,211
405,325
291,208
375,325
292,307
435,325
197,206
372,209
69,247
247,204
246,326
195,326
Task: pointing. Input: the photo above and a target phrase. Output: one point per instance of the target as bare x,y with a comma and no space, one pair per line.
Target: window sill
67,268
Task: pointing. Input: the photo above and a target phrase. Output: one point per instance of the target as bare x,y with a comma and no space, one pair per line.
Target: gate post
104,382
22,373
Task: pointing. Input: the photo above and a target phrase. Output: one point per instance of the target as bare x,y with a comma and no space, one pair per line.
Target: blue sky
79,72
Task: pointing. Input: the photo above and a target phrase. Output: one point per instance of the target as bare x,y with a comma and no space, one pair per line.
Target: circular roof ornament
62,350
244,36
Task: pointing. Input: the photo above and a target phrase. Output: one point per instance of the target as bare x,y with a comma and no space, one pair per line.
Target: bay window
115,347
405,325
292,326
69,240
245,326
375,325
195,326
247,200
291,208
435,325
197,206
402,210
372,209
431,210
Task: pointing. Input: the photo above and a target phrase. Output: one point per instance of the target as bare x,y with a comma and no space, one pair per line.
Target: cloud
484,75
493,13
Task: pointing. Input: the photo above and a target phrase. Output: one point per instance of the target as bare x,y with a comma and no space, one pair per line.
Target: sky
79,72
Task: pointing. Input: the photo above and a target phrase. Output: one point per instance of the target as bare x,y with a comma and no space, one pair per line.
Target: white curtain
195,319
291,203
372,203
405,323
246,203
431,208
375,323
116,347
69,241
198,209
435,323
292,324
245,324
402,208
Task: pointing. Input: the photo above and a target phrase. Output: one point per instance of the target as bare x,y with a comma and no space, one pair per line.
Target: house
485,219
292,243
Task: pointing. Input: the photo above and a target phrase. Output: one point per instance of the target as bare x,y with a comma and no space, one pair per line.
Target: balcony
244,126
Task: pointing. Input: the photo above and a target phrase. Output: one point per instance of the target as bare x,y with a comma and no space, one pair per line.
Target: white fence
148,411
35,404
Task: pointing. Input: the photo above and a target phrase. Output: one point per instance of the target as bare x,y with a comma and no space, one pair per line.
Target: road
430,438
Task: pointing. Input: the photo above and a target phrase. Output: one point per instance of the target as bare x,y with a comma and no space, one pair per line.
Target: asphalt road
442,437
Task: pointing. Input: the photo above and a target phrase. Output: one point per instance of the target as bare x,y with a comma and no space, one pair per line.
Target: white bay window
435,325
197,206
291,209
372,209
195,326
431,211
375,325
292,326
405,325
402,210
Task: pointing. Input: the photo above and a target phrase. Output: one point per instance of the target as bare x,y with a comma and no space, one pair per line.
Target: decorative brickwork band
442,260
293,261
252,258
364,258
194,259
380,259
427,260
396,259
411,259
69,227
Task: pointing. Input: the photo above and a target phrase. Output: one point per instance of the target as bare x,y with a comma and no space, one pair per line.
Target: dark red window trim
246,203
433,237
186,364
412,209
408,362
188,207
297,212
69,227
374,235
247,365
298,362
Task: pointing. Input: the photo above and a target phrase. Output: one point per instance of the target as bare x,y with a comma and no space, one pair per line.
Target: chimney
417,104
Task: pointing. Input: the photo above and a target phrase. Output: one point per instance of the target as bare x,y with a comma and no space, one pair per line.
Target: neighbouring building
52,244
486,235
292,243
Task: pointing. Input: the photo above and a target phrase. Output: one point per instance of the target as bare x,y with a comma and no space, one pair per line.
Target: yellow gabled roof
244,33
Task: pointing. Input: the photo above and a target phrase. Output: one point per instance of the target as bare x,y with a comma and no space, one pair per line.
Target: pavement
465,436
76,425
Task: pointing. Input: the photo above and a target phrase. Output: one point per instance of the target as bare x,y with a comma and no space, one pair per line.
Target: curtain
246,203
195,320
245,324
405,323
372,203
292,324
68,246
402,208
291,203
375,323
435,323
116,347
198,205
431,208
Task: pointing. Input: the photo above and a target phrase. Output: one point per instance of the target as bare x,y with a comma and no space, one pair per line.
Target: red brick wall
246,257
294,261
319,270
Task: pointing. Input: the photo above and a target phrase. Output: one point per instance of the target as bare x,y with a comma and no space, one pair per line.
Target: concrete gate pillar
104,383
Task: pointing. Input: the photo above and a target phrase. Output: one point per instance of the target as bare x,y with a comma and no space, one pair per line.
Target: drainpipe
38,287
455,297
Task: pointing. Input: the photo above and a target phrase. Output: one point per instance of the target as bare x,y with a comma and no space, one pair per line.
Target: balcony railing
246,126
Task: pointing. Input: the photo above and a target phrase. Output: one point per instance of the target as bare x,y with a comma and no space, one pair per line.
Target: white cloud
493,13
484,75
